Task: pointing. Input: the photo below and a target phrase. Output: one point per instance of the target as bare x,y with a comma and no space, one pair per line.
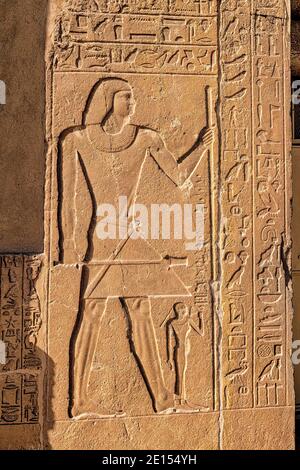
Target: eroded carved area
20,322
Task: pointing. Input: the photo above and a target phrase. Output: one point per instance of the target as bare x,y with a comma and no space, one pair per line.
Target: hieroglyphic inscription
254,228
20,321
270,206
167,37
174,7
236,167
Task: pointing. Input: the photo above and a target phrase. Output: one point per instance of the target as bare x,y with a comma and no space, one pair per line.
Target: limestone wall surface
121,339
22,123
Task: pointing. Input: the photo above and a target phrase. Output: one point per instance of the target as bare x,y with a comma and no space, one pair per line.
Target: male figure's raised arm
179,171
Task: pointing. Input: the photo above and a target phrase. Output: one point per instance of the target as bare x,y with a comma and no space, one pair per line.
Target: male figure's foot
164,402
90,409
182,405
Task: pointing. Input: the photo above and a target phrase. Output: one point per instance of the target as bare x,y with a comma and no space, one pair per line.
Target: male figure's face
181,310
124,104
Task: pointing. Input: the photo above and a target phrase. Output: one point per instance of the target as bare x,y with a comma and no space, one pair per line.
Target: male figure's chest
115,173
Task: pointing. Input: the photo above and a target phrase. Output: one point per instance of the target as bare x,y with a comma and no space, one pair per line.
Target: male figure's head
181,310
124,104
111,97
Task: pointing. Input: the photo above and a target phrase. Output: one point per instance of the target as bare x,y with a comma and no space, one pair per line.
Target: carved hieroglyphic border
271,213
255,230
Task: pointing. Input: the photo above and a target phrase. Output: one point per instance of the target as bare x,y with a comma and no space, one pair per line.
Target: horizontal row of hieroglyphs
236,241
136,58
174,7
138,29
20,321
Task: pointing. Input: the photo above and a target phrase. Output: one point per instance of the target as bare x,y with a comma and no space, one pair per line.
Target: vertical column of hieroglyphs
20,320
236,190
270,228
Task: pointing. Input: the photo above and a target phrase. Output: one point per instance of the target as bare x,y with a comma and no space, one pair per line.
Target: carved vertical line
288,163
1,263
48,214
215,179
286,86
252,45
284,206
22,335
218,363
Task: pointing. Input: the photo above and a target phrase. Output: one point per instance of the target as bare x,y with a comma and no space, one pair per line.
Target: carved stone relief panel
167,104
130,316
166,302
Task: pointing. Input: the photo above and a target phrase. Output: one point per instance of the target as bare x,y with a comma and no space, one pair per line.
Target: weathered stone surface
21,437
22,142
296,8
295,45
254,429
152,342
168,432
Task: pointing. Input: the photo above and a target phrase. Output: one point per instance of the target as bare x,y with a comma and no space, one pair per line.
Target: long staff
210,125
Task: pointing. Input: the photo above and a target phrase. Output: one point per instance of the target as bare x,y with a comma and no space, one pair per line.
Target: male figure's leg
146,349
180,369
84,350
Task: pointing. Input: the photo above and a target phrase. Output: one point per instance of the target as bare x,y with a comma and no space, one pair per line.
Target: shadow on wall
48,414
